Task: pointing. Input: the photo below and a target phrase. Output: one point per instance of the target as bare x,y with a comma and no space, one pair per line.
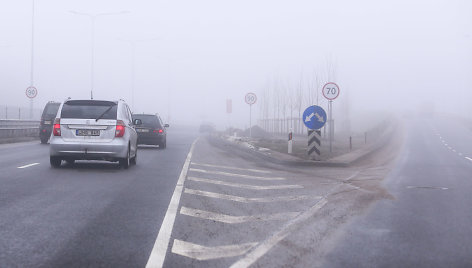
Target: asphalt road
90,214
428,221
408,205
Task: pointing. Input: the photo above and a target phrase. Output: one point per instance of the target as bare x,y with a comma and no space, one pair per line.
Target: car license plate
47,122
142,130
87,132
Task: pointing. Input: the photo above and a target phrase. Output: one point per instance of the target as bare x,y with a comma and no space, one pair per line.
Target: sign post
314,118
290,142
250,99
331,92
229,110
31,92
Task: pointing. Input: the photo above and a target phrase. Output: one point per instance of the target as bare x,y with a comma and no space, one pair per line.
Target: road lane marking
203,253
245,186
449,147
249,199
454,150
460,154
468,158
234,168
207,215
159,250
427,187
29,165
263,247
237,175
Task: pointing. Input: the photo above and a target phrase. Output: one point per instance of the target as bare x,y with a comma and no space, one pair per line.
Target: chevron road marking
249,199
245,186
237,175
207,215
203,253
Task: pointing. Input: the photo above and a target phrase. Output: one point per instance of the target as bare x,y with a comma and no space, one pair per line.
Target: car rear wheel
55,161
125,162
44,140
163,144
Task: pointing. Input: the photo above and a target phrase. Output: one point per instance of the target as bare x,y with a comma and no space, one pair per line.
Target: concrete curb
344,160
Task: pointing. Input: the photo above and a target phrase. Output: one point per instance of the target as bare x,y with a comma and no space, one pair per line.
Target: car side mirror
137,122
166,125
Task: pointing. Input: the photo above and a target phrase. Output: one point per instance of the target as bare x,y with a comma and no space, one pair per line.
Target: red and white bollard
290,142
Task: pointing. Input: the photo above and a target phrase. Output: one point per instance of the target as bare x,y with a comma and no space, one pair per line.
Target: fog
191,56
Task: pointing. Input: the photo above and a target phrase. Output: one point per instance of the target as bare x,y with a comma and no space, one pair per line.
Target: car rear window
50,110
89,109
148,120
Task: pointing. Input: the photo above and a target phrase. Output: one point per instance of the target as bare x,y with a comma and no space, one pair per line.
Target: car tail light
120,128
57,127
158,131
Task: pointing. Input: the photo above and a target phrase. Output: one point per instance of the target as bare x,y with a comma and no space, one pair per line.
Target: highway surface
88,214
428,222
204,202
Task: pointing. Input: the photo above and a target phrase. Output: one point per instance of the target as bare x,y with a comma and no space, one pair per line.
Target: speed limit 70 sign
330,91
250,98
31,92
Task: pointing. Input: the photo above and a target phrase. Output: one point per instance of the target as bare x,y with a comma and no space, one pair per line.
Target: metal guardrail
18,124
14,128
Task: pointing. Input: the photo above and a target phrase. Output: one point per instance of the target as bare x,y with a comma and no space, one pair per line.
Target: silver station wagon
94,130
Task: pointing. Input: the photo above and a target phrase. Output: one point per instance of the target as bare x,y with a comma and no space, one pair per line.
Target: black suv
152,131
47,120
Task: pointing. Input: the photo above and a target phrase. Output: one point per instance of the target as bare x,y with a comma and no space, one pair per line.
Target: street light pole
92,60
32,59
132,43
92,39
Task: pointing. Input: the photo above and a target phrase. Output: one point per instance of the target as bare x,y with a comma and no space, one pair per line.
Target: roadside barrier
13,128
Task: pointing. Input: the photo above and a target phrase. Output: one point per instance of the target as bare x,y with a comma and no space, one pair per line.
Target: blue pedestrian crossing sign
314,117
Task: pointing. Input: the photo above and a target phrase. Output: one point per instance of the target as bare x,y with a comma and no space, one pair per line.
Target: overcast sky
193,55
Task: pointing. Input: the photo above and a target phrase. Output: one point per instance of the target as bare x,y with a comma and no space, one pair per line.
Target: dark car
152,131
47,120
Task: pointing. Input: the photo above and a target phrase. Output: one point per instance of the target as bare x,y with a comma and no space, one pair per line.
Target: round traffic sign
250,98
314,117
330,91
31,92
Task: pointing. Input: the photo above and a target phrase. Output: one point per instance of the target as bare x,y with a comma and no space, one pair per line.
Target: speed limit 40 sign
250,98
330,91
31,92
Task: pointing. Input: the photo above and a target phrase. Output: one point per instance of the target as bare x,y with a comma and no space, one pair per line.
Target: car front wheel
135,158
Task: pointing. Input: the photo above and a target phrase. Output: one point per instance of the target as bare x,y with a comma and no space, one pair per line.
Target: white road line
468,158
449,147
249,199
454,150
203,253
29,165
207,215
234,168
263,247
159,250
236,175
460,154
427,187
245,186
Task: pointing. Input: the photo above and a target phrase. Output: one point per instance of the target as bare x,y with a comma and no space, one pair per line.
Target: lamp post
132,43
32,58
92,38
